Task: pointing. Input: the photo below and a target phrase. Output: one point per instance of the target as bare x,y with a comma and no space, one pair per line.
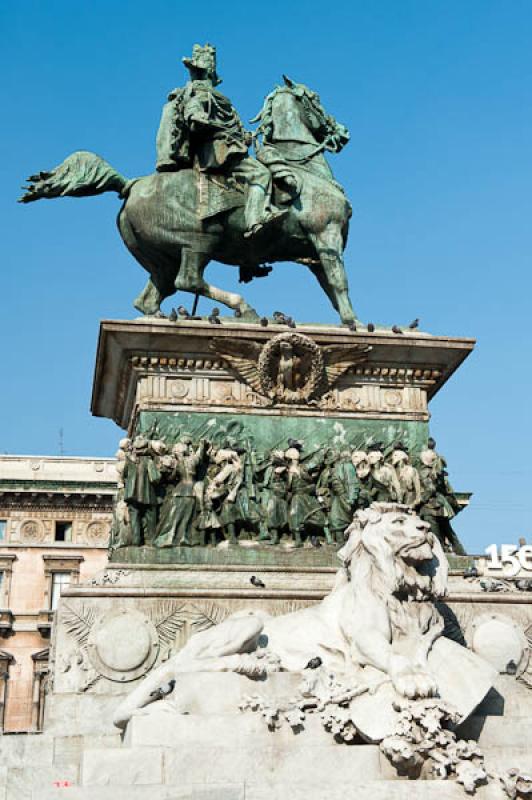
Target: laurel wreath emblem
268,363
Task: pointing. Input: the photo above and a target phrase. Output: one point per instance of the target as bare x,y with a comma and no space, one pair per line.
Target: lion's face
408,536
400,548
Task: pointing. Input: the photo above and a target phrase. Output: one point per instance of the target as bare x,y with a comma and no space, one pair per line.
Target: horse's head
294,112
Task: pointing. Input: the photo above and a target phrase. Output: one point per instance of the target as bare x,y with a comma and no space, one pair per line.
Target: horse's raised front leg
329,247
190,279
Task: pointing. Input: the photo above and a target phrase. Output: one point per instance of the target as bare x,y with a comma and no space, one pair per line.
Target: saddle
218,193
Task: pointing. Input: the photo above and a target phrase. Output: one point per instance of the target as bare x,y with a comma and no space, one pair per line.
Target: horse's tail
80,175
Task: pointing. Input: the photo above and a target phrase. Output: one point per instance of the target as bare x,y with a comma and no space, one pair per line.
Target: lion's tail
80,175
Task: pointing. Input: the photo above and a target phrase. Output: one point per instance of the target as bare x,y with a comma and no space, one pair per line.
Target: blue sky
437,96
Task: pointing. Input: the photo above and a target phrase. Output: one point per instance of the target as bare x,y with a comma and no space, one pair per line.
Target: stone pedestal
262,388
336,387
111,632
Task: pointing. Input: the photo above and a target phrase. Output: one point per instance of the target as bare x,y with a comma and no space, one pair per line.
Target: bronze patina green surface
266,432
211,199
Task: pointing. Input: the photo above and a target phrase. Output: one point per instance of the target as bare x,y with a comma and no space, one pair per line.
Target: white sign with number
510,559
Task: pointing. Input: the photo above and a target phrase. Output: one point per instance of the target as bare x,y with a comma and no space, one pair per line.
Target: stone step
190,764
509,698
498,731
293,790
42,749
128,766
184,792
20,750
75,714
164,728
45,768
501,759
29,782
365,790
167,729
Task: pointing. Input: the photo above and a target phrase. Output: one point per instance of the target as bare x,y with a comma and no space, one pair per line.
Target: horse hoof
248,315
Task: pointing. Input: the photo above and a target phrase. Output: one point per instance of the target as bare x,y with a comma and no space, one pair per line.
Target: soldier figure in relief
181,499
304,510
199,492
408,477
225,486
338,480
275,504
385,486
199,125
141,476
439,503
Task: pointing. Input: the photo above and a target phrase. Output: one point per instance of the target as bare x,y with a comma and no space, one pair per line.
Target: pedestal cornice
163,365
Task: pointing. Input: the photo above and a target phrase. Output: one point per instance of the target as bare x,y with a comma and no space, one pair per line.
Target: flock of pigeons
278,318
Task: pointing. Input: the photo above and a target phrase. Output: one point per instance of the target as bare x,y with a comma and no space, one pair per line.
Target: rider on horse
199,125
209,198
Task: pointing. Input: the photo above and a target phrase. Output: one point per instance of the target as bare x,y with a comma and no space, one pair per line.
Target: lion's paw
414,683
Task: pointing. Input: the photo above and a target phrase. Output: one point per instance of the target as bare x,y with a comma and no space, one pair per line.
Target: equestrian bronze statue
211,200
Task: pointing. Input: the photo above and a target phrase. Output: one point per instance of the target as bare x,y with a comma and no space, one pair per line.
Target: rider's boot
257,215
269,218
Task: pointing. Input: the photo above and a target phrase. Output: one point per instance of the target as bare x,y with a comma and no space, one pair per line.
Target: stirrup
258,227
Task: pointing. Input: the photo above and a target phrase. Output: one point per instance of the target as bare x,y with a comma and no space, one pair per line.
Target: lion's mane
400,564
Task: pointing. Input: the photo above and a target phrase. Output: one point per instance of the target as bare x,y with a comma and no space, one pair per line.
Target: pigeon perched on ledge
164,690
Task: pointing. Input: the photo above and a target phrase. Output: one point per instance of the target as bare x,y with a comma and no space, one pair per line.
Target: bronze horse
175,223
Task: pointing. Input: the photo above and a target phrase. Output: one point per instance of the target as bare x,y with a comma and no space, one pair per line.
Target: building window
55,566
63,532
6,572
59,579
6,660
3,529
40,678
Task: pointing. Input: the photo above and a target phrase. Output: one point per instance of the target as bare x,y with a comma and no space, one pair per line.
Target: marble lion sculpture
379,614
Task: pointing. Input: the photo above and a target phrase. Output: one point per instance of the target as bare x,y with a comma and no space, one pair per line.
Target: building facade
55,520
